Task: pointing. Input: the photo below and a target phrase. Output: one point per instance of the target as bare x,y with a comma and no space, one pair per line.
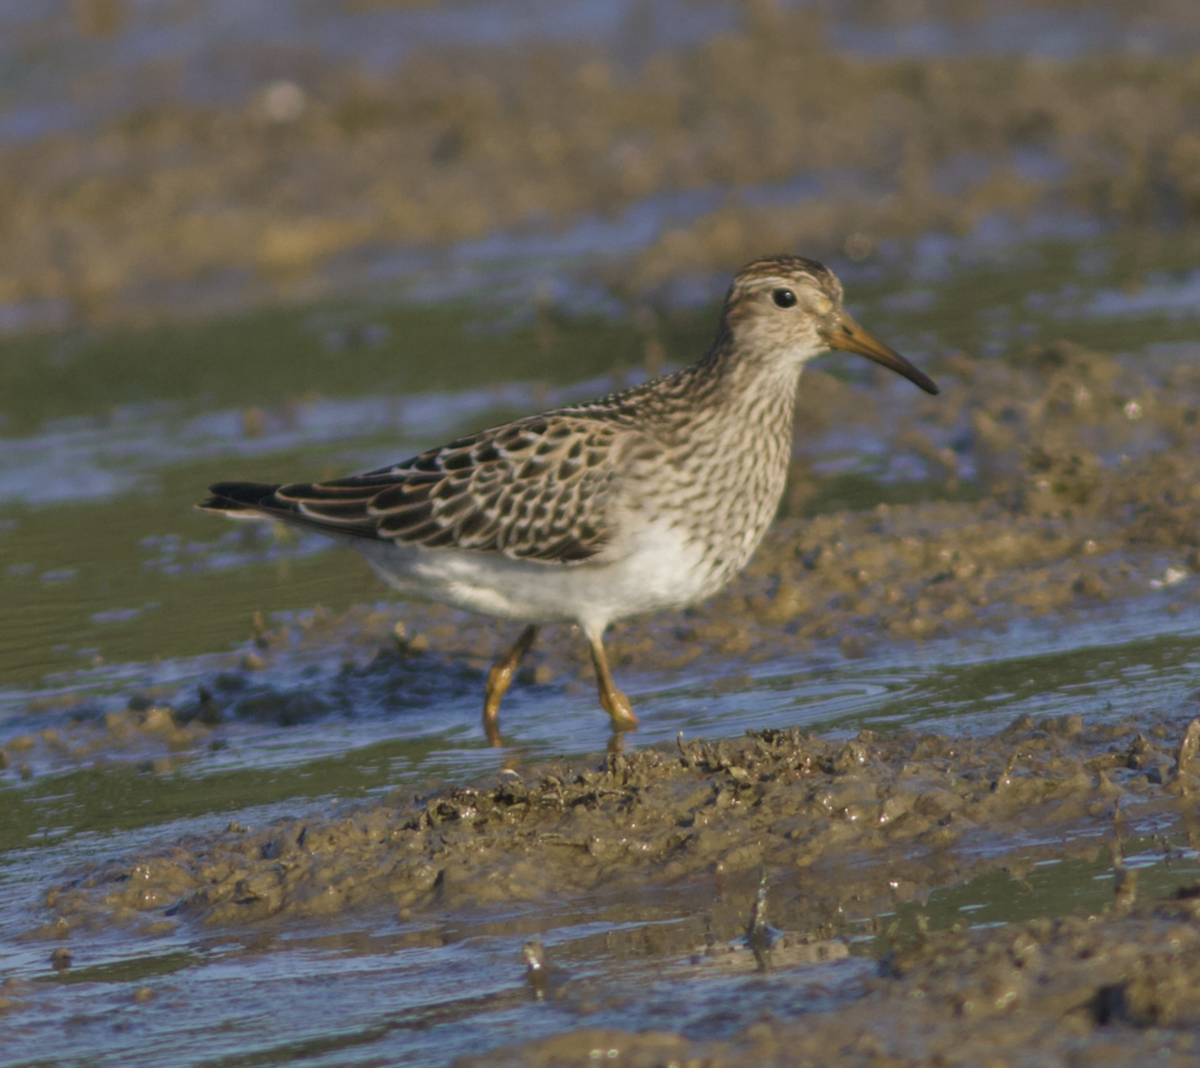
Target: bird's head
789,308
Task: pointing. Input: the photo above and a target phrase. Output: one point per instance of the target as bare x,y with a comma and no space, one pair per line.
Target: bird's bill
847,336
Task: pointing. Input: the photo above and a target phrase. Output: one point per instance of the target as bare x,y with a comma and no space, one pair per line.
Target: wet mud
1079,467
304,182
1098,990
842,832
925,809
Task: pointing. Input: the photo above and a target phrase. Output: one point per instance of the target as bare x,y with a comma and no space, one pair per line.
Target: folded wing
535,489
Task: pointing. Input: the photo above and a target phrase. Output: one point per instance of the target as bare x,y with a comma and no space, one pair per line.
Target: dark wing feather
534,490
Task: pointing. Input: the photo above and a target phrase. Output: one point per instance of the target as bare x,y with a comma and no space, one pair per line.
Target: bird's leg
500,678
614,702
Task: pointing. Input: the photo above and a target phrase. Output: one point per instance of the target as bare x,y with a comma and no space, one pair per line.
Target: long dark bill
848,336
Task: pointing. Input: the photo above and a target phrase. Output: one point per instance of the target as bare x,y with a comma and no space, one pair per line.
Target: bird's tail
243,500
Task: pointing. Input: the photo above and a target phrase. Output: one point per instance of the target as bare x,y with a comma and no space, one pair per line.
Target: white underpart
661,570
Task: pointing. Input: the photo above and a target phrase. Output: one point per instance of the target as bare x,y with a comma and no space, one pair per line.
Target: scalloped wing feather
534,490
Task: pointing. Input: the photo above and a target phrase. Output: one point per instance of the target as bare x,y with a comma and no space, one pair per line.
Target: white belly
660,570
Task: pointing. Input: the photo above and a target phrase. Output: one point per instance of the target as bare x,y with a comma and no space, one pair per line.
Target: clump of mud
856,825
150,736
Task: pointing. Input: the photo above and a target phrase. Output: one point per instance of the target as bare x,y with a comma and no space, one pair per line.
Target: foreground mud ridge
841,831
922,805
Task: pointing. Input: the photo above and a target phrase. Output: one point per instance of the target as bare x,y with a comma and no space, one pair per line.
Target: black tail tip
237,496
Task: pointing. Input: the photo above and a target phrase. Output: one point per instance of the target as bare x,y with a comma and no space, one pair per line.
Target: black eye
784,298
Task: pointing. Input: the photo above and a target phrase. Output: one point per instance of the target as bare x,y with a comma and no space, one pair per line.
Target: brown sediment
455,144
845,833
1106,990
848,828
152,737
1080,471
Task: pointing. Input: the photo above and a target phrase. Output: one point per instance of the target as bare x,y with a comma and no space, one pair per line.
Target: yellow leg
500,678
614,702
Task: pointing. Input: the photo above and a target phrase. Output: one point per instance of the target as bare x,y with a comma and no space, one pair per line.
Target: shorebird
647,499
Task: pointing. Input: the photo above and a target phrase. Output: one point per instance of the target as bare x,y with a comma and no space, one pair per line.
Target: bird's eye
784,298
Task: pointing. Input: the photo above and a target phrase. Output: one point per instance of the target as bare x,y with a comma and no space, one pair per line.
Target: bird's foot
498,681
620,711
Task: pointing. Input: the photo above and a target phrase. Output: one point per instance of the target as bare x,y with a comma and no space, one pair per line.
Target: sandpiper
647,499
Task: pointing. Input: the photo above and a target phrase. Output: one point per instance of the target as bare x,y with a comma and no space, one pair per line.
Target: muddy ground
1082,468
334,164
840,831
1112,991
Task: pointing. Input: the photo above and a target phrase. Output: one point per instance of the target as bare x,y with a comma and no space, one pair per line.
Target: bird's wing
537,489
